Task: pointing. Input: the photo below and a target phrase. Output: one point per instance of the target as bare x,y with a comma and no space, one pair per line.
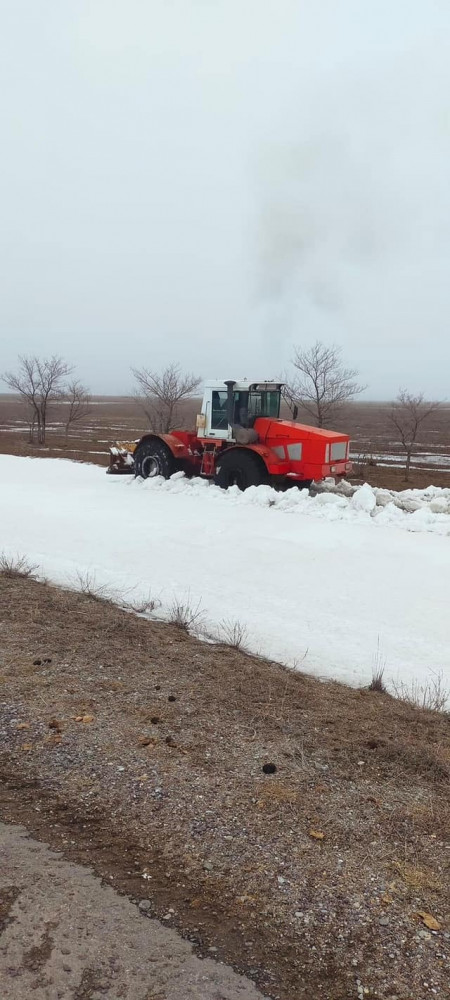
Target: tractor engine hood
278,431
311,451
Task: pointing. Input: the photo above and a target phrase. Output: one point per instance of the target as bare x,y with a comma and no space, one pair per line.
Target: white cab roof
243,384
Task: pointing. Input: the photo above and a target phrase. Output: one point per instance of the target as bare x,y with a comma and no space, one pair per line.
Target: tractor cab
229,408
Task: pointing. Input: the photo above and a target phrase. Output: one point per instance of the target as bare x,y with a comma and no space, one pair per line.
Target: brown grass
417,878
434,695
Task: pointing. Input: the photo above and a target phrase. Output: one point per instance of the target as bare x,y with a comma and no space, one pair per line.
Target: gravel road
65,935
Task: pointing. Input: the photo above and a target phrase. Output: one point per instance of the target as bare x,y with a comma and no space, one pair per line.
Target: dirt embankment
142,752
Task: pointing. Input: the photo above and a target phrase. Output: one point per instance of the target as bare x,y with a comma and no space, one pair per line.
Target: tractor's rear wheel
240,468
153,458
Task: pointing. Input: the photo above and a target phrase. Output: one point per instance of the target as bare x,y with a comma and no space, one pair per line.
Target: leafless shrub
39,382
378,669
363,460
432,696
160,395
322,383
407,415
78,404
233,633
17,566
185,615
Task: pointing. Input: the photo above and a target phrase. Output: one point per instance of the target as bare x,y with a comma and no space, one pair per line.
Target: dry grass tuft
185,615
432,696
234,634
141,605
376,683
17,566
417,878
277,793
378,669
86,584
412,759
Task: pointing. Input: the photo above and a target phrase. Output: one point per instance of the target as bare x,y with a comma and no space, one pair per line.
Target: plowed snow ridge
339,583
413,510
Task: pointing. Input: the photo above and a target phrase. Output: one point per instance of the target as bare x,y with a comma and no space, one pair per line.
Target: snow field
328,584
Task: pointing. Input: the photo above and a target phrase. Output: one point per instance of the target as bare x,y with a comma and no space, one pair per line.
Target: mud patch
92,980
36,957
8,896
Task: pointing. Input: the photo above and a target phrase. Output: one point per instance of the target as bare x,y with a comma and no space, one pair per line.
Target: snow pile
327,583
413,510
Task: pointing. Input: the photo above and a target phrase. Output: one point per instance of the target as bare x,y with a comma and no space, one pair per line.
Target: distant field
374,440
111,419
377,454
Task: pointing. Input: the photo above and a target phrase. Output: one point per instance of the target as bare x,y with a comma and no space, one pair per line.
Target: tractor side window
240,411
273,404
219,420
264,404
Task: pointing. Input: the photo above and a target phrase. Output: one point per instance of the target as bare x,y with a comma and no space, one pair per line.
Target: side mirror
295,412
201,421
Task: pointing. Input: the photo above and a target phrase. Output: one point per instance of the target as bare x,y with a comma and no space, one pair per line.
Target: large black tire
241,468
153,458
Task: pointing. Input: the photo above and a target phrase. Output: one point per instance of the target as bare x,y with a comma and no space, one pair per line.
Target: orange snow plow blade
121,461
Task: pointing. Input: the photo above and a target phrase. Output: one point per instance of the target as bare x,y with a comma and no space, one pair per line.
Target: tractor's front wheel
153,458
240,468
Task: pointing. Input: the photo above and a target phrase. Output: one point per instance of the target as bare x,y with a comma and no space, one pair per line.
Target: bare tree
40,382
321,383
161,394
78,403
408,414
31,423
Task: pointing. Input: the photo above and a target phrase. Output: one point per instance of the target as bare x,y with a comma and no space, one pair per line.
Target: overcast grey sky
214,181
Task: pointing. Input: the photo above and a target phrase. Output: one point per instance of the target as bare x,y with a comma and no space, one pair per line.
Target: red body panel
289,450
178,442
178,447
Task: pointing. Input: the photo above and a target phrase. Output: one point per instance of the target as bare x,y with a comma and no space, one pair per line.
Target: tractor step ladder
209,452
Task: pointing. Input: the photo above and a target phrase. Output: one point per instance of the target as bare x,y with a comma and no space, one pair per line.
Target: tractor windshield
256,403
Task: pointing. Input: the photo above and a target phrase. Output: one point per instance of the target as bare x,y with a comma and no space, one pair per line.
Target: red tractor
240,441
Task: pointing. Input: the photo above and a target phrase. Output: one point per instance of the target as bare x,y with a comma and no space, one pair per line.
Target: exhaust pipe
230,402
